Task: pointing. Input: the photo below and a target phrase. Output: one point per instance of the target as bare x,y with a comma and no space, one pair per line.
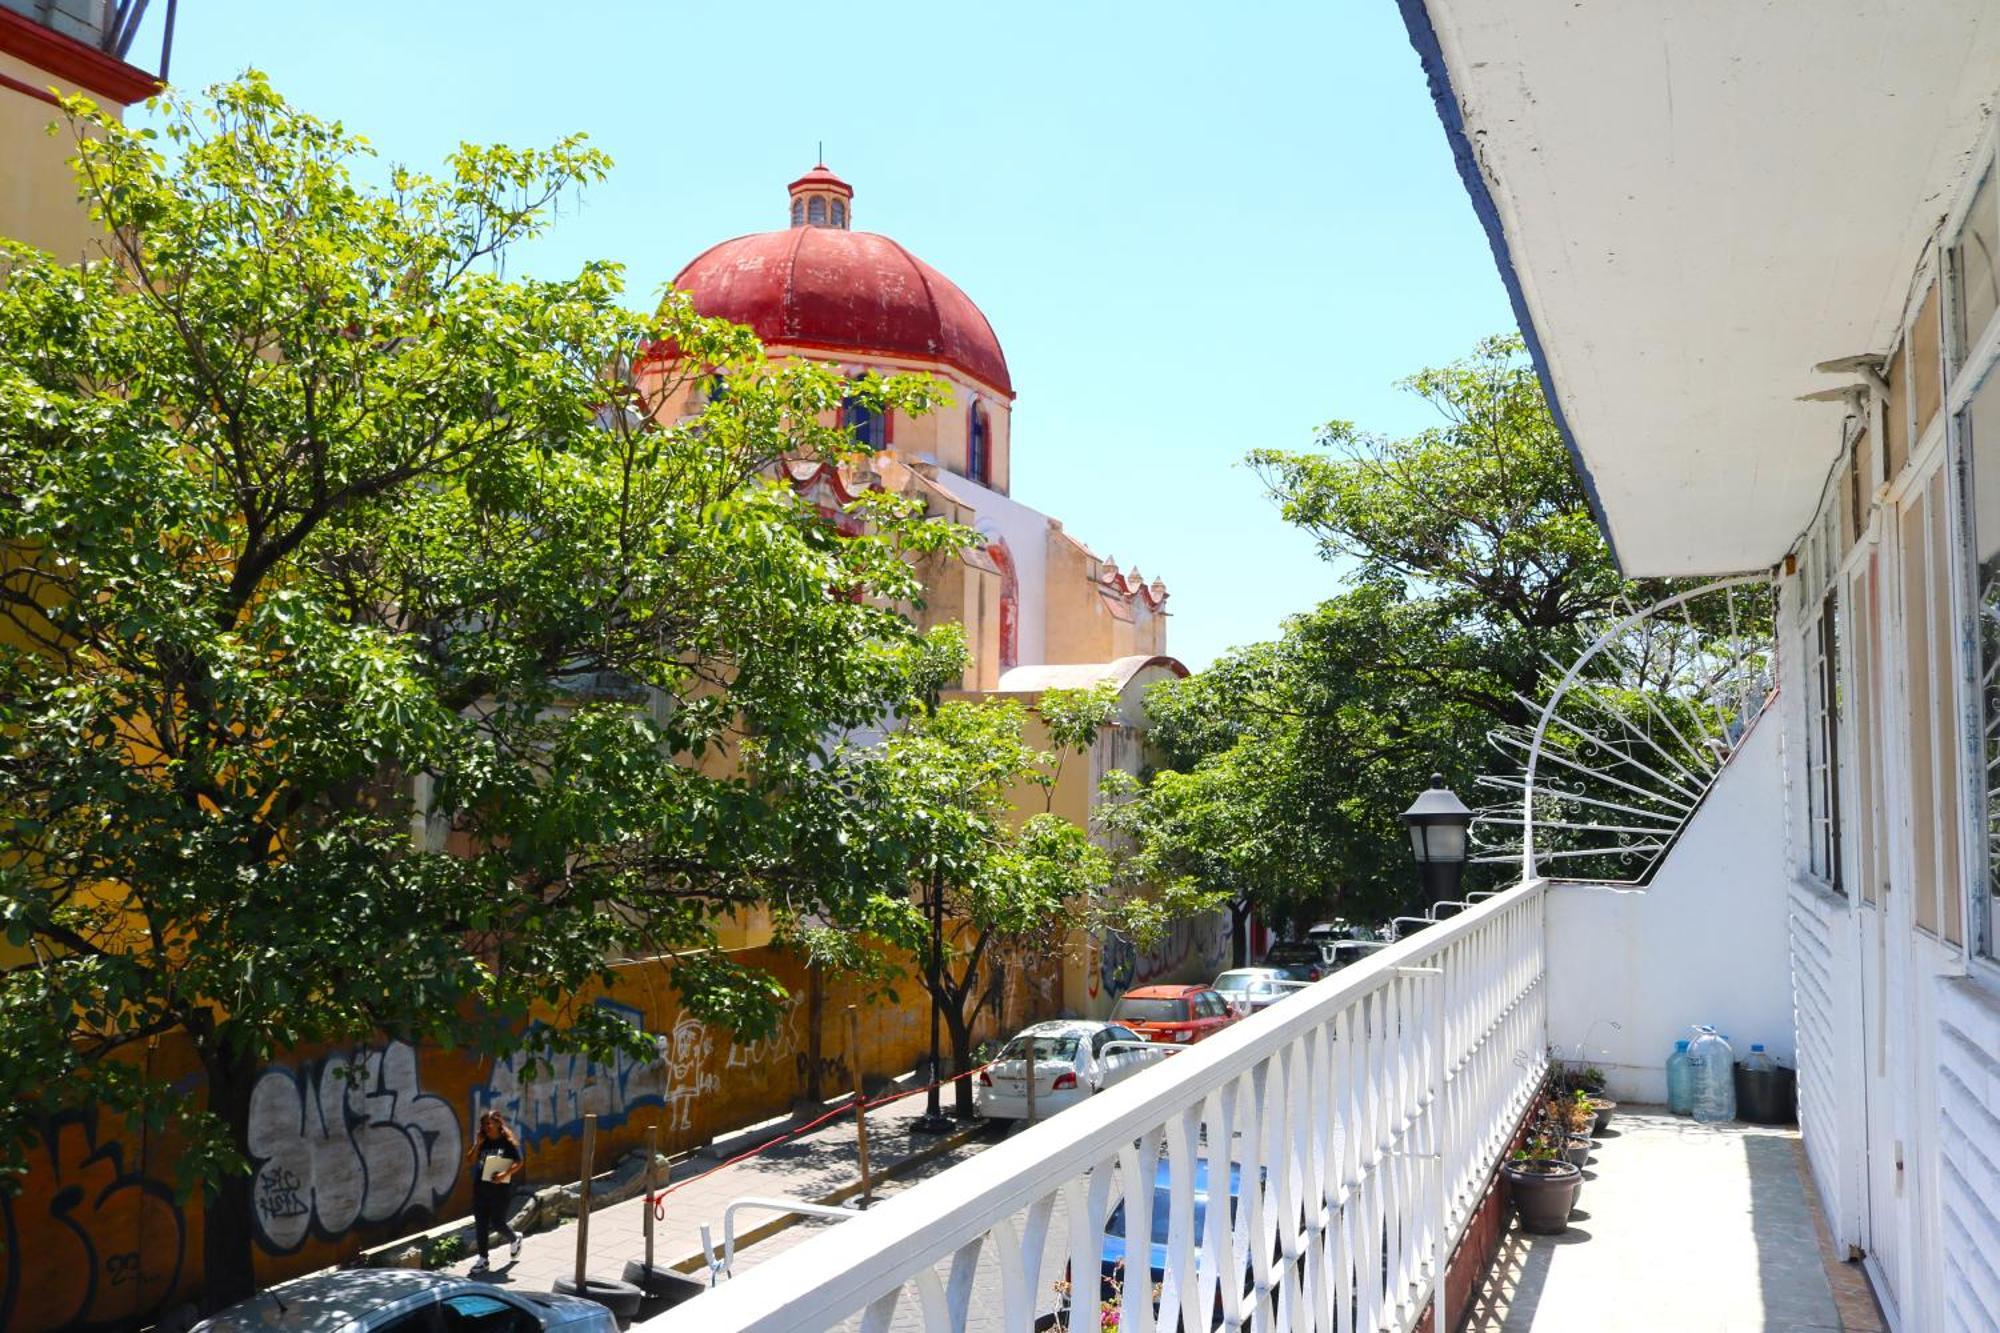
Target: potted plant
1577,1117
1601,1109
1544,1186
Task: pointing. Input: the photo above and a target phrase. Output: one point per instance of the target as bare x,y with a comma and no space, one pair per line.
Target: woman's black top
489,1147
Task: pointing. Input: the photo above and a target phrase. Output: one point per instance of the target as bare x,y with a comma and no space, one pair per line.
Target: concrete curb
698,1262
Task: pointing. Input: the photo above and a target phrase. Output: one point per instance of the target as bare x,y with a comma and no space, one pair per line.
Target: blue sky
1197,228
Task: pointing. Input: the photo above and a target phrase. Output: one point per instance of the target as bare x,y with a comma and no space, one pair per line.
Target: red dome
845,291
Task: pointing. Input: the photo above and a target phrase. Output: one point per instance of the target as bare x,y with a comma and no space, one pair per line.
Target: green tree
1471,560
983,882
325,545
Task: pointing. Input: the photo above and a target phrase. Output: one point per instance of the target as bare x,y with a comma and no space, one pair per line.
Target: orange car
1178,1014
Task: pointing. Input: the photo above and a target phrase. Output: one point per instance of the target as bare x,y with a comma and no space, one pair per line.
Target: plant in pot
1543,1182
1601,1108
1577,1117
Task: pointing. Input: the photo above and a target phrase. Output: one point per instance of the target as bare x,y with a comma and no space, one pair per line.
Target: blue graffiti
545,1094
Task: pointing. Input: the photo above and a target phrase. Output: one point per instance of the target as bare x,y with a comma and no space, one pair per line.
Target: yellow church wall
38,202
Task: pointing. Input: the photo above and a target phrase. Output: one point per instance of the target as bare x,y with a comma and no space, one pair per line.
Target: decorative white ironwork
1632,736
1360,1122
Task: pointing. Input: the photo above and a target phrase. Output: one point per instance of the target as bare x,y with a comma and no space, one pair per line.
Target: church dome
820,286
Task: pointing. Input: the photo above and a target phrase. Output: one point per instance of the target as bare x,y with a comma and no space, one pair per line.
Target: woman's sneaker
514,1250
479,1265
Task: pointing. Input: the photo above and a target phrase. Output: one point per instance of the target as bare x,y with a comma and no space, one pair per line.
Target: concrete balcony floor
1681,1226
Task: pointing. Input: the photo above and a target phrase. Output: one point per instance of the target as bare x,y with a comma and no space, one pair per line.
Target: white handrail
1347,1113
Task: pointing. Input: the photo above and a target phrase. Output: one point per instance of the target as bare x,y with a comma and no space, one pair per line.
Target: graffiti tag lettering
347,1140
109,1241
545,1094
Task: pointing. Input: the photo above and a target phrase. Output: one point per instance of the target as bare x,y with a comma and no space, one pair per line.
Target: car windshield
1046,1048
1133,1009
1241,981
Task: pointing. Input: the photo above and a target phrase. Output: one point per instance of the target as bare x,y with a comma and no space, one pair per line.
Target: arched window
798,212
1010,605
978,446
840,213
816,211
870,431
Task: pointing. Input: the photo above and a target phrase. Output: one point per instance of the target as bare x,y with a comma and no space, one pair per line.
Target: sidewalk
808,1168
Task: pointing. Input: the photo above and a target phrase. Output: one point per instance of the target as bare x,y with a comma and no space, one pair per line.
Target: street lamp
934,1120
1438,821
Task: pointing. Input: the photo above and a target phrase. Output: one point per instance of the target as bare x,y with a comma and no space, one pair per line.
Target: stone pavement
1681,1226
807,1168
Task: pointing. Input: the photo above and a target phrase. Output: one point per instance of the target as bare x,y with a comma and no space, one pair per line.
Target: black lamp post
934,1120
1438,822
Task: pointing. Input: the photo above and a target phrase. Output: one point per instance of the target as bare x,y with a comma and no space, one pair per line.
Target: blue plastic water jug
1680,1081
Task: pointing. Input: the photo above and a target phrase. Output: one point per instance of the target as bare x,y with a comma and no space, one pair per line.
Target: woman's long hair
506,1130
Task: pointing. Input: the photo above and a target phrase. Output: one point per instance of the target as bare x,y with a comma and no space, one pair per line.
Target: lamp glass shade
1446,842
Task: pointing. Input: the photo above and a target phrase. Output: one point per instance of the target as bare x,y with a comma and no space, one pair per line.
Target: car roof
1061,1027
1162,992
327,1302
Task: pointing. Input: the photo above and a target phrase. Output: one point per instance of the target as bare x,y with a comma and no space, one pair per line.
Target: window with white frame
1974,394
1820,653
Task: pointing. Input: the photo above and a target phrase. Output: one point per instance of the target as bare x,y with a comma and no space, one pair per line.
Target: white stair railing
1361,1120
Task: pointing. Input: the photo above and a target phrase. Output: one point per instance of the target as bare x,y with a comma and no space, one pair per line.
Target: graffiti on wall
1189,946
109,1242
688,1077
545,1094
347,1140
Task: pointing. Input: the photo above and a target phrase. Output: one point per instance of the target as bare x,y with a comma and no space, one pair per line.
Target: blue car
1115,1243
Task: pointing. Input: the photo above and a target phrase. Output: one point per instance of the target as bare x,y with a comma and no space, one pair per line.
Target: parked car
1299,960
1118,1250
1179,1014
403,1300
1070,1062
1249,989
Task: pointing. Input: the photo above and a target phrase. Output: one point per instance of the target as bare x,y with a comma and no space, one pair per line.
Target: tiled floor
1680,1227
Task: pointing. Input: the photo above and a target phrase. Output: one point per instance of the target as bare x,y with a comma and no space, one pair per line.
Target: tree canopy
375,656
1471,560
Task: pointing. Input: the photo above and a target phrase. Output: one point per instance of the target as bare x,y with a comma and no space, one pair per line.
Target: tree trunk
228,1269
815,1021
961,1060
1239,933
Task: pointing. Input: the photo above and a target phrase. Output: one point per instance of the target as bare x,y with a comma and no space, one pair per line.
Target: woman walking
495,1160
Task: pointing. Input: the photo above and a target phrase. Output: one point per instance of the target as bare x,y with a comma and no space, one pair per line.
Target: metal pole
1034,1075
583,1202
652,1188
860,1100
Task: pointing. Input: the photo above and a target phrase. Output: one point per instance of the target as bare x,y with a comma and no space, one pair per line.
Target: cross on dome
821,199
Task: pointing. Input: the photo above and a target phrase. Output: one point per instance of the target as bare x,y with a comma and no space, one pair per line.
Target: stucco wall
98,1236
1706,942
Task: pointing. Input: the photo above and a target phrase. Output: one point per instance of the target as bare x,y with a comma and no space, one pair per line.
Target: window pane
1974,255
1979,433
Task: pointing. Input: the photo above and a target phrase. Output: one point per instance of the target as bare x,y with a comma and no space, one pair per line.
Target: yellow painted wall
38,202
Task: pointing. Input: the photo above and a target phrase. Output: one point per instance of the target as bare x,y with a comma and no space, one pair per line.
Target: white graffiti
545,1094
688,1052
779,1048
345,1140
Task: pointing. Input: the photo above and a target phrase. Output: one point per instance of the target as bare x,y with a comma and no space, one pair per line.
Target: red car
1178,1014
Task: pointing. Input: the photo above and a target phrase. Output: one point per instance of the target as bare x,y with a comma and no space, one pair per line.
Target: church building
1041,609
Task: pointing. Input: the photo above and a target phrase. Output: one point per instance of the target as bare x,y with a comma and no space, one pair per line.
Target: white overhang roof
1692,204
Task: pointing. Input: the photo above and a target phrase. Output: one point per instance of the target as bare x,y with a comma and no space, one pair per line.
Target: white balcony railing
1362,1120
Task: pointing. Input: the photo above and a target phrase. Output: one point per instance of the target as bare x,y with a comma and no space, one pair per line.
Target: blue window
868,426
977,445
839,213
816,211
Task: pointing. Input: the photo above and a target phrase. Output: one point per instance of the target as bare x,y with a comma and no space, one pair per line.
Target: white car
1073,1058
401,1300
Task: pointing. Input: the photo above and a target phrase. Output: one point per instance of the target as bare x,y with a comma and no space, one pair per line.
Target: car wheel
621,1298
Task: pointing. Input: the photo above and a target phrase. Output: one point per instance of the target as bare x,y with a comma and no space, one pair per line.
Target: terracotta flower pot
1544,1193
